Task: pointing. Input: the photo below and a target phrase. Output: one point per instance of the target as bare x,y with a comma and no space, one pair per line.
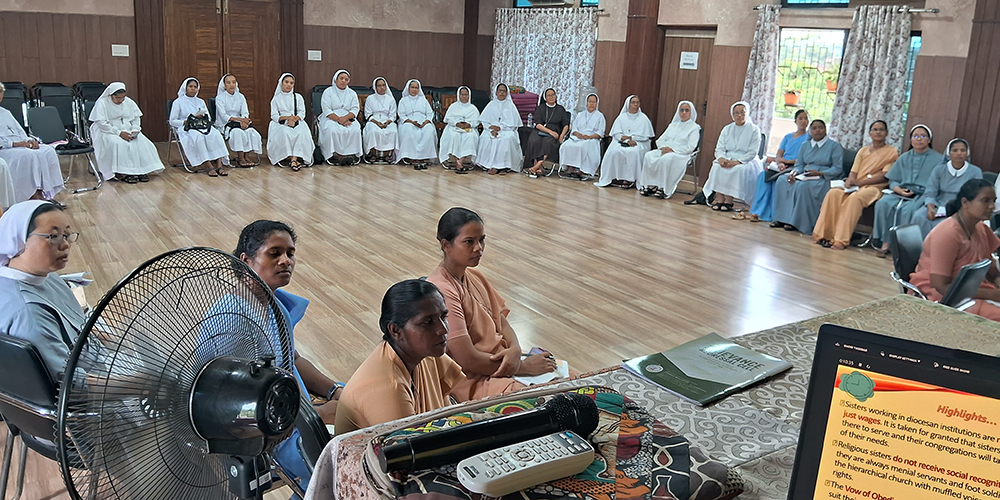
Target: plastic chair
15,100
964,287
905,243
67,107
47,126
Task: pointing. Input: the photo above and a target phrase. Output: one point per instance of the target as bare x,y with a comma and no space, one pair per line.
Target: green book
706,369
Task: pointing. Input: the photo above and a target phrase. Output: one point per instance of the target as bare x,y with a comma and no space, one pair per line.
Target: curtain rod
901,9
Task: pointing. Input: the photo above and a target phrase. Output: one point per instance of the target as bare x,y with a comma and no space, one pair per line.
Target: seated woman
499,144
232,117
289,141
630,136
35,237
480,338
840,211
339,130
762,207
459,139
945,181
417,135
123,152
380,132
959,240
34,167
551,127
409,372
663,168
736,166
7,196
908,180
580,153
799,193
201,147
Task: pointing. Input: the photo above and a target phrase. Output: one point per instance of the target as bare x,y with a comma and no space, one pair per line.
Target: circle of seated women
630,136
551,124
663,167
762,207
123,153
33,167
339,130
799,193
734,172
499,144
232,118
460,139
417,134
204,147
962,238
380,135
289,141
580,153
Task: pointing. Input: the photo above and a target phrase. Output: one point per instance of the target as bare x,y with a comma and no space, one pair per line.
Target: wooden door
678,84
251,29
194,44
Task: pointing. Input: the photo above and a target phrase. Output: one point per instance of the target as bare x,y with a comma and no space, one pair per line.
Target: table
754,432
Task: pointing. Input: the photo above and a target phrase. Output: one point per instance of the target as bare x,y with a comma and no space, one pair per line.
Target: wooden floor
595,275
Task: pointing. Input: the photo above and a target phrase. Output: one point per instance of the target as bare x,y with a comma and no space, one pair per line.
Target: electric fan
179,384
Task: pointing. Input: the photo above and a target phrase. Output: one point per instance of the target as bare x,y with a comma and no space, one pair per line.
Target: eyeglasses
56,239
921,136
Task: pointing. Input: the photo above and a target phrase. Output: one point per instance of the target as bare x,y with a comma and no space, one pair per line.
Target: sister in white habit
289,141
630,135
459,140
7,197
380,132
231,107
339,130
200,148
33,167
499,145
736,166
417,134
122,152
663,168
580,153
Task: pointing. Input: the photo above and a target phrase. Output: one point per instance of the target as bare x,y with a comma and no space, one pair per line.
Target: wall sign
689,60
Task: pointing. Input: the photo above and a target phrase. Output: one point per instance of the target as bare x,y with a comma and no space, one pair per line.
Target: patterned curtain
873,75
762,70
542,48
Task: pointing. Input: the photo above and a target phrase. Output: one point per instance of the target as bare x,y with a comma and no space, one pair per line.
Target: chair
67,107
28,403
88,91
42,90
47,126
313,437
15,100
905,243
966,284
316,100
172,138
479,99
693,161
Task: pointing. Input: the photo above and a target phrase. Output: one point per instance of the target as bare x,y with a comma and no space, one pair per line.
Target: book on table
706,369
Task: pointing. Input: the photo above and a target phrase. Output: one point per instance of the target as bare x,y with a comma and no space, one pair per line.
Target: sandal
628,184
881,253
726,207
754,218
296,166
740,216
648,191
143,178
661,194
776,224
789,227
213,172
222,172
492,171
717,207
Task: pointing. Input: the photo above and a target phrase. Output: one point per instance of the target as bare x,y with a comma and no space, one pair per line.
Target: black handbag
73,143
230,125
295,111
202,124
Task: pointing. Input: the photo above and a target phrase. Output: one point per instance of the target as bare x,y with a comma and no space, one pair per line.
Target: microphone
568,411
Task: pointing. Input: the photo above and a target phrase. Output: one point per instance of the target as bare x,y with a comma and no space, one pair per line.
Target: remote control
523,465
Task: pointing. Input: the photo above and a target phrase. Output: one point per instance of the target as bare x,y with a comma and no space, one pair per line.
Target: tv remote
523,465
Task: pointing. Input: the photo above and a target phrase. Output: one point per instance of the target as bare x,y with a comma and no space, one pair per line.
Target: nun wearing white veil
200,148
122,152
339,129
380,132
663,168
33,167
499,144
231,108
581,151
417,135
736,166
459,140
630,136
289,141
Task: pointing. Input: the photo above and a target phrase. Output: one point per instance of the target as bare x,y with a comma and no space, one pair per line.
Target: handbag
201,123
73,143
295,111
230,125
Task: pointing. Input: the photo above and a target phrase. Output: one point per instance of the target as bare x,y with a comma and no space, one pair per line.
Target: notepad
804,177
941,212
838,184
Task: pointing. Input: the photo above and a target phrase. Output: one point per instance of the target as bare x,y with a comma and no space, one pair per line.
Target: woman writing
289,141
409,372
380,132
580,153
663,168
201,147
630,136
551,127
123,152
417,136
459,140
232,116
762,207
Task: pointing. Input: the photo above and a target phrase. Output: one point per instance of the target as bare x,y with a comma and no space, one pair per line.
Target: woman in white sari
200,147
289,141
580,153
663,168
33,167
417,135
380,133
122,152
339,130
232,117
459,140
499,144
630,136
736,166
